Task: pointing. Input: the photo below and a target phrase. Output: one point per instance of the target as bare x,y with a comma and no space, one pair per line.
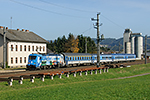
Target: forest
73,44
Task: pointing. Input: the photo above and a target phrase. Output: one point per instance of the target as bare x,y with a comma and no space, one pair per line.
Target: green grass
97,87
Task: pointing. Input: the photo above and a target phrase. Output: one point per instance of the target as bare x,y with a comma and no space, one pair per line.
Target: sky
51,19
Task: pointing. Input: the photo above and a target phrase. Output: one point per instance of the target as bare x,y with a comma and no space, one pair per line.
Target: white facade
18,52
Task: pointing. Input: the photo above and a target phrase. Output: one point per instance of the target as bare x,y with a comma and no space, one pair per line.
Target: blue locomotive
38,61
43,61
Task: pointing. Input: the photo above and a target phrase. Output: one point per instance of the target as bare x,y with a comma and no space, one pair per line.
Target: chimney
23,30
27,30
1,27
17,29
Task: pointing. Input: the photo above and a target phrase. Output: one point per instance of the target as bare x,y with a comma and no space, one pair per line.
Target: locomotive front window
32,57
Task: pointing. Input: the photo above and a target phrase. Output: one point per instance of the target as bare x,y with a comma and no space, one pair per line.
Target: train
47,61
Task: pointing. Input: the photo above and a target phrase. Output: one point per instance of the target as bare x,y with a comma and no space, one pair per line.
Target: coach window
16,48
20,47
11,60
11,47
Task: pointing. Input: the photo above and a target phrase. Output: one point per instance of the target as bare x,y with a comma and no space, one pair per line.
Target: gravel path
131,76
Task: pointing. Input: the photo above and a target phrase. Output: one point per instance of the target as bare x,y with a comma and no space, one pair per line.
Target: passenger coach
77,58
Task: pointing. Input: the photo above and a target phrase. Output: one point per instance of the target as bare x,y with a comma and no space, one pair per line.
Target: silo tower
127,41
132,43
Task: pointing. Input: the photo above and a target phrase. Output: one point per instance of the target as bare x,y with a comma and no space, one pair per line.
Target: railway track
72,68
59,71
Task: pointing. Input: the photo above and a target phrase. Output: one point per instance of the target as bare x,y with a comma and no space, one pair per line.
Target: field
105,86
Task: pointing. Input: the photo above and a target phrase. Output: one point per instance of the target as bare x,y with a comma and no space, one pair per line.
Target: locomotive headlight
29,63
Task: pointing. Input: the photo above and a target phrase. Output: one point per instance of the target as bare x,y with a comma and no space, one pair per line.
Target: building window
24,59
20,47
16,48
11,60
20,59
40,48
32,48
25,48
36,48
28,48
43,48
16,60
11,47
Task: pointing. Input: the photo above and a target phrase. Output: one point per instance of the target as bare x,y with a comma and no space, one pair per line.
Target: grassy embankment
100,86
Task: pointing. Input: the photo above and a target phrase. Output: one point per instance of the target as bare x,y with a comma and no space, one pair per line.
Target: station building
19,44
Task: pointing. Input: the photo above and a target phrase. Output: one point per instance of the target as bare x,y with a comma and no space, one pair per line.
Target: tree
91,47
81,44
72,44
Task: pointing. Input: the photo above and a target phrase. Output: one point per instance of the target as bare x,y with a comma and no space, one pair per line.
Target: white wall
17,54
1,50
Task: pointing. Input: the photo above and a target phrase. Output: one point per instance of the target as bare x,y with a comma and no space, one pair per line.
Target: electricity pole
85,44
146,49
98,39
98,42
4,48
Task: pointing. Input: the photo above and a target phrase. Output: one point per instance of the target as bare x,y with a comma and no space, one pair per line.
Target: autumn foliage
74,44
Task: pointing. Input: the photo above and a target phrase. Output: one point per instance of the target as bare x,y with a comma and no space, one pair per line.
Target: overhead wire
113,22
66,7
79,10
41,9
37,8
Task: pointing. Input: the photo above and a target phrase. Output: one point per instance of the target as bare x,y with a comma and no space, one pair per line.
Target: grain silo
128,47
132,45
138,46
126,38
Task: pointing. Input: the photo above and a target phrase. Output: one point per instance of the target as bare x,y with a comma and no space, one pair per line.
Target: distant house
20,43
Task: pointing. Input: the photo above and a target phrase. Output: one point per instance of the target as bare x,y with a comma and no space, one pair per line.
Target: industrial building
132,43
18,45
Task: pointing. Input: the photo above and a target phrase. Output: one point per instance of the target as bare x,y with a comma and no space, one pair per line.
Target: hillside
113,43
